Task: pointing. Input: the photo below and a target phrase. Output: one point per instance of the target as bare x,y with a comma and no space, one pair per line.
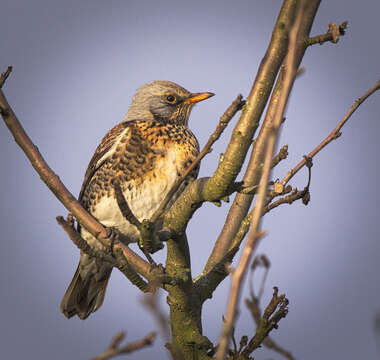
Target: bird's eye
171,99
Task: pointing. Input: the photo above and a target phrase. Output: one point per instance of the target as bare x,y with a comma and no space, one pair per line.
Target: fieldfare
144,154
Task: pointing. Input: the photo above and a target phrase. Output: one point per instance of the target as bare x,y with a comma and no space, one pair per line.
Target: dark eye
171,99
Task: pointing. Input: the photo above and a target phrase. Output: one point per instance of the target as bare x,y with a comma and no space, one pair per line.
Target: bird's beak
194,98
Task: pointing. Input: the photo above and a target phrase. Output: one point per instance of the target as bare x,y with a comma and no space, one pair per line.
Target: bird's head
164,100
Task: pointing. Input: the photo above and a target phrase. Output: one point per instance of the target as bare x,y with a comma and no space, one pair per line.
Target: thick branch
254,235
261,90
219,185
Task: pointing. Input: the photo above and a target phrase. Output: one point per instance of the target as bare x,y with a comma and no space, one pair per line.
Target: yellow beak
194,98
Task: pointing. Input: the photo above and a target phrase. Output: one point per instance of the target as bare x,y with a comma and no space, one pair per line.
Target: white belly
143,198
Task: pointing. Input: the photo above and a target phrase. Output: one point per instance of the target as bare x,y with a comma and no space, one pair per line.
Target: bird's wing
102,153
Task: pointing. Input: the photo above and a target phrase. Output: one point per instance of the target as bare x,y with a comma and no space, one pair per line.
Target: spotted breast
146,157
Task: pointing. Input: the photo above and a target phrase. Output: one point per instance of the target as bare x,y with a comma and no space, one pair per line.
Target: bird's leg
114,235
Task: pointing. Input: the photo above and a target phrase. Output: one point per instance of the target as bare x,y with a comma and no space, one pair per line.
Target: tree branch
114,349
254,234
333,135
207,283
253,305
58,188
273,313
68,226
4,76
118,261
242,202
282,155
333,34
295,194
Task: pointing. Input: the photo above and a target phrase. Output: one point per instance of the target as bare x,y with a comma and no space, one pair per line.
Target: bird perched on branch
144,154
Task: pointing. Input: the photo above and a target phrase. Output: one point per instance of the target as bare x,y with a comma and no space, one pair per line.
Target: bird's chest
143,193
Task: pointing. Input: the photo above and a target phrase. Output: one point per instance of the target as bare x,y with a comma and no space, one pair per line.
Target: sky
77,65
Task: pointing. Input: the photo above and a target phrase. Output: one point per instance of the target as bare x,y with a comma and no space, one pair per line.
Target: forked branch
115,349
273,313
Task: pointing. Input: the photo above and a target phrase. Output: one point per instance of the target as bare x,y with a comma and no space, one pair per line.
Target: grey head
164,100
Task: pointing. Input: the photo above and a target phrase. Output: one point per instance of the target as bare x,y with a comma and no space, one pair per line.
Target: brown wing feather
104,146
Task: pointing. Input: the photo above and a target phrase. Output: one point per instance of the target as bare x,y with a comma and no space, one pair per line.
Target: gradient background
76,66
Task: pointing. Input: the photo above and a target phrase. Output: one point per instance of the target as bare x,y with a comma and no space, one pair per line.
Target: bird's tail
86,291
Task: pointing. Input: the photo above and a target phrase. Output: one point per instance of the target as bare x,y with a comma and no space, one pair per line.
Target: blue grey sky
77,65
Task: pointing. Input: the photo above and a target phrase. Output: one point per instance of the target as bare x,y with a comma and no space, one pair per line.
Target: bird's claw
113,234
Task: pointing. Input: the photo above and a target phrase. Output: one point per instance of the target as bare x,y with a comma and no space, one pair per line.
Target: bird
144,154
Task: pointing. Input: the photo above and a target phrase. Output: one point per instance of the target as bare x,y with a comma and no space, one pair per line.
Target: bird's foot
114,235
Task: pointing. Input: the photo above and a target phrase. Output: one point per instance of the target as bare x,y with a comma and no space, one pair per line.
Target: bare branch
253,237
273,313
4,76
118,262
333,135
282,155
114,349
333,34
81,243
145,228
258,97
242,202
253,304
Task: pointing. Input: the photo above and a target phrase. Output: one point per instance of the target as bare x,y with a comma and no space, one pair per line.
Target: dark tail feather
86,291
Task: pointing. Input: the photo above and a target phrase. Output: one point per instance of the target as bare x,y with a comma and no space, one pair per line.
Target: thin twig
236,105
114,349
253,304
333,34
273,313
118,261
281,155
146,243
4,76
81,243
333,135
151,302
239,273
124,207
264,261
